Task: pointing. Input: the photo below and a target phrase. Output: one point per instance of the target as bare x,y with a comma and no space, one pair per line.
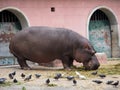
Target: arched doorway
11,21
99,32
103,32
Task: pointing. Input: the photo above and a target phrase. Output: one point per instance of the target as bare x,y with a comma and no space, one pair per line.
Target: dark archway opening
8,17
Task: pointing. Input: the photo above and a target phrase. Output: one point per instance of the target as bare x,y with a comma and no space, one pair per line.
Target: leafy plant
6,84
52,85
23,88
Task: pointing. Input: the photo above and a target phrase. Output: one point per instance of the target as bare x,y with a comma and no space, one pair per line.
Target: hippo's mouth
93,64
92,67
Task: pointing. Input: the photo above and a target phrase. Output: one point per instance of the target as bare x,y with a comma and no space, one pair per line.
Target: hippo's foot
73,67
67,68
26,68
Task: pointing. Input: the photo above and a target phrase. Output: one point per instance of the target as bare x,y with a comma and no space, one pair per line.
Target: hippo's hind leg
22,63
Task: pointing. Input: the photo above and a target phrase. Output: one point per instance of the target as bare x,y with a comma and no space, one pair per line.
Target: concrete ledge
112,59
102,58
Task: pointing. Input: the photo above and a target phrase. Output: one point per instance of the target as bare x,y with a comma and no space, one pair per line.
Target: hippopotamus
42,44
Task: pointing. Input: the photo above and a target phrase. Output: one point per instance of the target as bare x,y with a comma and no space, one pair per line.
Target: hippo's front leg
71,62
66,62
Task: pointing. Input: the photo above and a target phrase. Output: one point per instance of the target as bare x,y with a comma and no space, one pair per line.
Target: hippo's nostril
93,53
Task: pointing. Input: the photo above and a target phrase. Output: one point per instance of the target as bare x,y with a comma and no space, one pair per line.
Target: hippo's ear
90,50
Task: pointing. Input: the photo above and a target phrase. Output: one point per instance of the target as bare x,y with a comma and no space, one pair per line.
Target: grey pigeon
109,82
70,77
2,80
37,75
28,78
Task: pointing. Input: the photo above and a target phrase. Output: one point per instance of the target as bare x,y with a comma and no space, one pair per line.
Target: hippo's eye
87,48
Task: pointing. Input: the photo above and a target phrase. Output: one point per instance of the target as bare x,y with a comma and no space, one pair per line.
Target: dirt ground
61,84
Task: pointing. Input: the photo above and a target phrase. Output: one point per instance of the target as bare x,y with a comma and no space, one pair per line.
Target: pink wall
71,14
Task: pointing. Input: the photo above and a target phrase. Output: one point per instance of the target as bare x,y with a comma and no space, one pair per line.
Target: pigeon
109,82
14,73
15,81
115,83
37,75
56,77
28,78
102,75
97,81
23,75
70,77
94,73
80,76
10,76
74,82
2,80
59,75
47,81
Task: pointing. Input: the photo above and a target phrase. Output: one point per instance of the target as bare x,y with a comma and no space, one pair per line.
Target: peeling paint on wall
100,37
7,31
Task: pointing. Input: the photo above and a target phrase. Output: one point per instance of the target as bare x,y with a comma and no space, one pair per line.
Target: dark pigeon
47,81
14,73
15,80
94,73
115,83
97,81
109,82
102,75
10,76
23,75
56,77
74,82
